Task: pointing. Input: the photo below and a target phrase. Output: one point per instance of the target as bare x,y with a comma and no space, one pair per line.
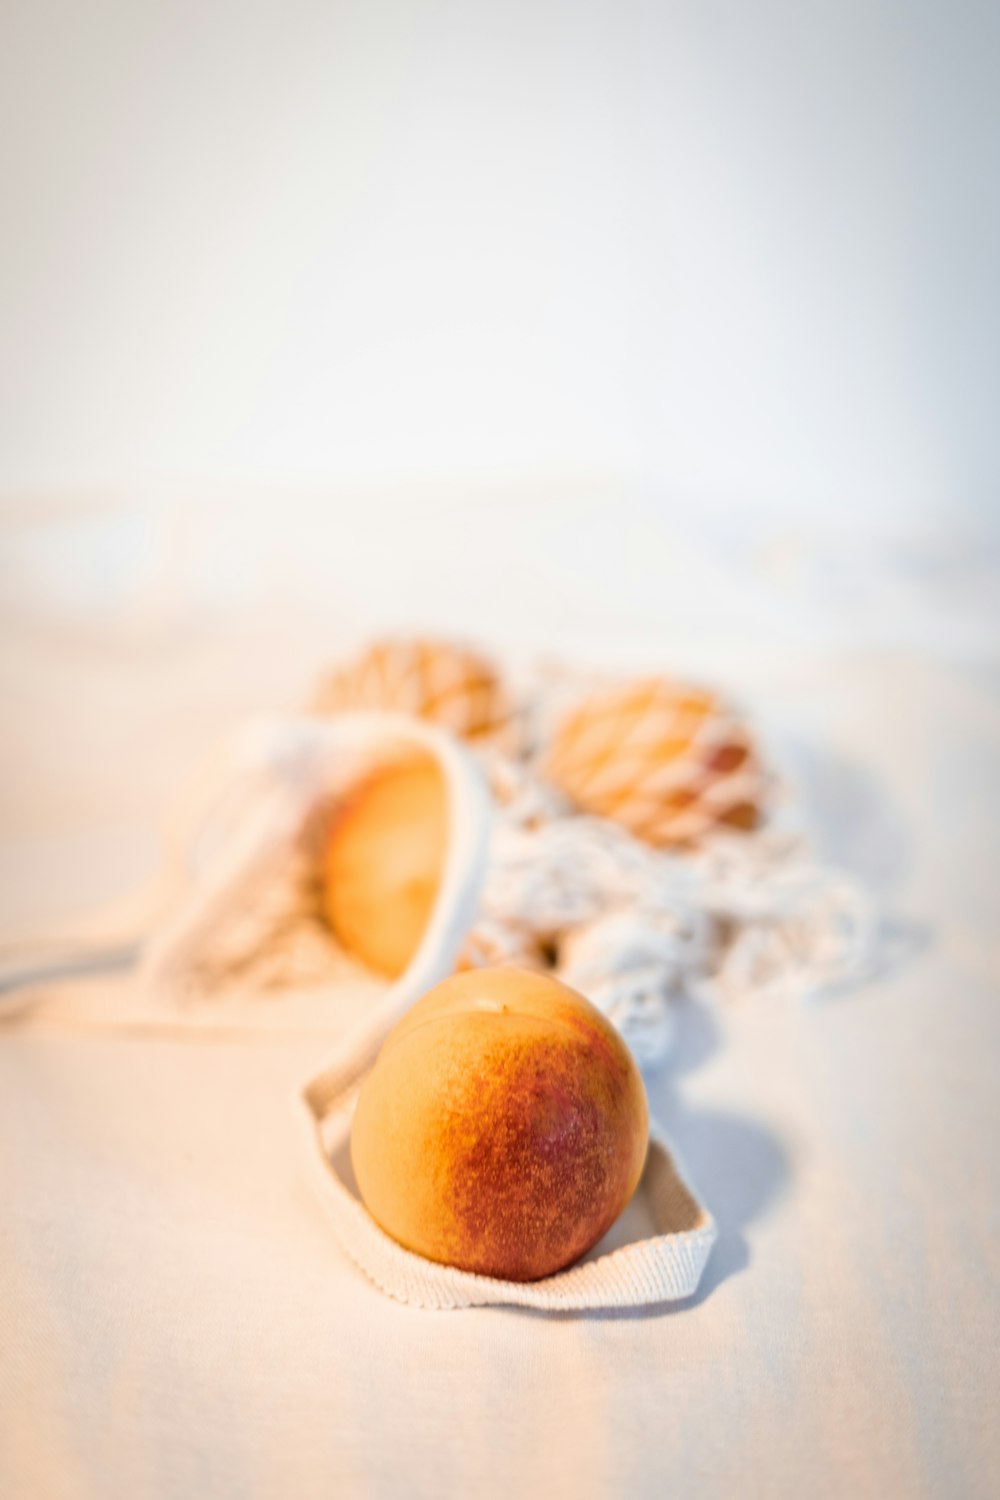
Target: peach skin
503,1127
383,862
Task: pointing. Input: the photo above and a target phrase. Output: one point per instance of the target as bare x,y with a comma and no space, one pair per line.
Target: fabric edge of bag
664,1268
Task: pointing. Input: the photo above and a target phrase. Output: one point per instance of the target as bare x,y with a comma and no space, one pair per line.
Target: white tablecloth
176,1320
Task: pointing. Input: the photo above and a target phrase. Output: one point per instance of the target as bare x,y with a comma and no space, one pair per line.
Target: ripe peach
669,762
503,1127
383,862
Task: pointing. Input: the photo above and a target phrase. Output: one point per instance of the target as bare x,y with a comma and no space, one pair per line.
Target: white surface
742,251
734,266
177,1318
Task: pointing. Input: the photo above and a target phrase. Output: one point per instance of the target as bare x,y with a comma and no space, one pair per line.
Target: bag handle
662,1268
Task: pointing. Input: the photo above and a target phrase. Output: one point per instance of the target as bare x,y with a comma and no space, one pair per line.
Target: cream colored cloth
176,1318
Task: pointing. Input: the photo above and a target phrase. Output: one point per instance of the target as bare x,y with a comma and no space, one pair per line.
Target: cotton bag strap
665,1266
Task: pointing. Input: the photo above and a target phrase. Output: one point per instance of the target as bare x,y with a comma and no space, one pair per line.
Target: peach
668,761
383,862
503,1127
442,681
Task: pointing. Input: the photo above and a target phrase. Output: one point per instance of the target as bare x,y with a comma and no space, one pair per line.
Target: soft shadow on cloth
736,1165
855,826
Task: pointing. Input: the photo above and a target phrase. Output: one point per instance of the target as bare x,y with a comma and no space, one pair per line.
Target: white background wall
739,255
663,332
